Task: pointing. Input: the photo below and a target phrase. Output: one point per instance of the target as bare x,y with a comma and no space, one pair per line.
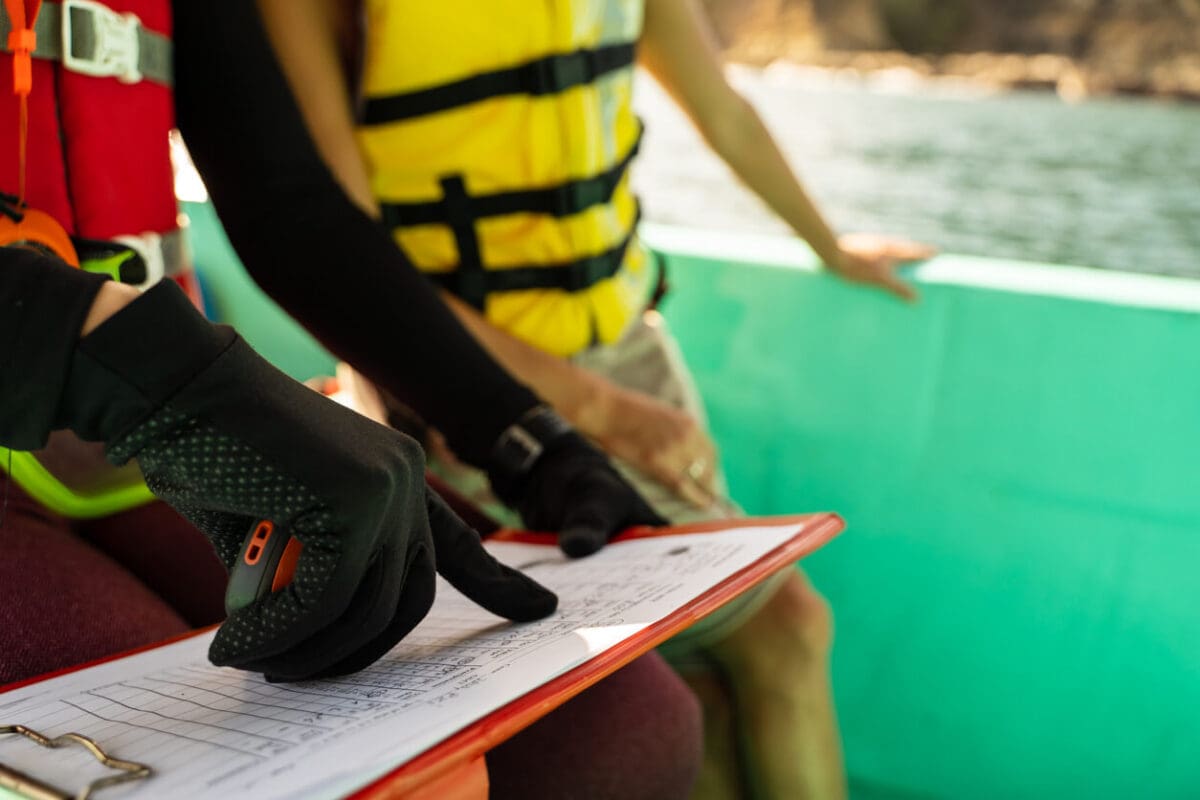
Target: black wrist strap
521,444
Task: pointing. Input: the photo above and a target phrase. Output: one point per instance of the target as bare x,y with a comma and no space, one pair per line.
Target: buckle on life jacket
140,261
92,39
115,49
106,257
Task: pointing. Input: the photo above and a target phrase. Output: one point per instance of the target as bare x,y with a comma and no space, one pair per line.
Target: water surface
1109,183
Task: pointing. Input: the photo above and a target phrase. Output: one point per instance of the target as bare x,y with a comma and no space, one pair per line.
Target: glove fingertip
581,542
538,603
220,654
510,594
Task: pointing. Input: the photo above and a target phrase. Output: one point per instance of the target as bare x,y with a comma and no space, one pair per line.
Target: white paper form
212,732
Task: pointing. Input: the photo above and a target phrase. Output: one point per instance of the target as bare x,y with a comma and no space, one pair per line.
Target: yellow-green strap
36,481
109,264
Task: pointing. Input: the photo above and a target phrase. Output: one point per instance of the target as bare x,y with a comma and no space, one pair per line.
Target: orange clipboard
455,769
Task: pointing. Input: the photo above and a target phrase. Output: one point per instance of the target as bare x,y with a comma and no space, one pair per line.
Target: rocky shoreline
1078,49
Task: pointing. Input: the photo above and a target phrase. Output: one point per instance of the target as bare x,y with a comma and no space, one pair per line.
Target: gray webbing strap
102,43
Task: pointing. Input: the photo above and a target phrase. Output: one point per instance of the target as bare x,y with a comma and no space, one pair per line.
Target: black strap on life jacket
470,280
547,75
472,283
561,200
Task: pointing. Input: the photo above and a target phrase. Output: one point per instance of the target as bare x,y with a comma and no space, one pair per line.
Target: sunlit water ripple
1111,183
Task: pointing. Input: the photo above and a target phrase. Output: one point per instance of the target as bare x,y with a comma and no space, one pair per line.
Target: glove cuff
43,304
521,446
129,366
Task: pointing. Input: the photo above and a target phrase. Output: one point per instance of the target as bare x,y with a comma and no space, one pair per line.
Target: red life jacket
98,153
98,160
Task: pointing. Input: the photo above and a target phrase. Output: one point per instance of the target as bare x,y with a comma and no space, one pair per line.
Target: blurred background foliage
1136,46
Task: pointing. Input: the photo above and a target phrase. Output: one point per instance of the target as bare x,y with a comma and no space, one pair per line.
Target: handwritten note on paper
219,733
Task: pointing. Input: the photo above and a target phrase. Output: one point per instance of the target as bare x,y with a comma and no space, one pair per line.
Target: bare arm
111,298
679,48
305,36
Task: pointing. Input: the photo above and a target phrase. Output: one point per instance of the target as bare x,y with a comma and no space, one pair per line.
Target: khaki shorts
647,359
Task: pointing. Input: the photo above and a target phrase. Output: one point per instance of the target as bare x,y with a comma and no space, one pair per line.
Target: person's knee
804,613
794,627
636,734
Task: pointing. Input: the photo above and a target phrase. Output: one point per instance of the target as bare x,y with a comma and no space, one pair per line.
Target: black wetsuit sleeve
327,263
43,304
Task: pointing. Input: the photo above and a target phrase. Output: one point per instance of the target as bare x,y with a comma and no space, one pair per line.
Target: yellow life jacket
498,136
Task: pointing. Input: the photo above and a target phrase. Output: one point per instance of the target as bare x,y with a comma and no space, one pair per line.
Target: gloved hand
227,439
559,482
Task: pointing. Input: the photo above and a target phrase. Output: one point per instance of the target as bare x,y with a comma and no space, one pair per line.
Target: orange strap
22,41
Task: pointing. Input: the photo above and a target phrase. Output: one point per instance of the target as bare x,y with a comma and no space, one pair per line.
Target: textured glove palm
227,439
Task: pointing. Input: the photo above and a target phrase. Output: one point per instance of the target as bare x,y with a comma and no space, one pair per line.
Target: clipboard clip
28,786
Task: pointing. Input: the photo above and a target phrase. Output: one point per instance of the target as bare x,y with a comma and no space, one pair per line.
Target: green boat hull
1018,614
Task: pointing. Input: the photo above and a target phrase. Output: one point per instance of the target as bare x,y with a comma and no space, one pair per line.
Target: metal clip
113,38
31,787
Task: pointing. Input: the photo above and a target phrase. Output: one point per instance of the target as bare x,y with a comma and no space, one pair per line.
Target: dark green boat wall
1018,610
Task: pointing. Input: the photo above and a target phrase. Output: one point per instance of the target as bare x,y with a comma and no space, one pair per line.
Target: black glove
559,482
227,439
